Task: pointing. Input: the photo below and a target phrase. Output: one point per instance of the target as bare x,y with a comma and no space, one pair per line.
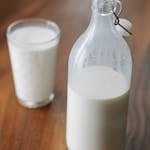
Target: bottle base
34,105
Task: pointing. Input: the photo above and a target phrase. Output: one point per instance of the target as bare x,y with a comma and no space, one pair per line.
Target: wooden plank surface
44,129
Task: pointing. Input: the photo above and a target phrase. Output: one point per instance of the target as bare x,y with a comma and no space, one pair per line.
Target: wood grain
44,129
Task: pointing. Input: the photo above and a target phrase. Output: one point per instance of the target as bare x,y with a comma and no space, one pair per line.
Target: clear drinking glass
33,47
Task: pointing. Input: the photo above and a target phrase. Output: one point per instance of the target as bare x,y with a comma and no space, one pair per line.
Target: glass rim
47,22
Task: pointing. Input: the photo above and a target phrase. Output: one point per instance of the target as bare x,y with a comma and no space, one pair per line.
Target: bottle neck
100,20
102,14
100,23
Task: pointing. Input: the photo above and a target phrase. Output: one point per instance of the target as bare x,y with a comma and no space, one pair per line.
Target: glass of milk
33,47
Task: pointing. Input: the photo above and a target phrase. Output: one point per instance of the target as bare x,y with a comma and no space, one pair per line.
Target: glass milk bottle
100,68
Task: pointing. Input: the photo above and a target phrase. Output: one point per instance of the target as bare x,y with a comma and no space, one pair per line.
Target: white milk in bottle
97,109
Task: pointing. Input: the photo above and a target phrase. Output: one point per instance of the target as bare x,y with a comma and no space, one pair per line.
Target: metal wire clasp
116,13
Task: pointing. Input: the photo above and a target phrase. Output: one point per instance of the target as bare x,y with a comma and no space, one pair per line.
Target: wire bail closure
117,13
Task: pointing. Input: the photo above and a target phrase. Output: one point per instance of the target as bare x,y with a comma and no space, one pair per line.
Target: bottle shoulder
105,49
102,42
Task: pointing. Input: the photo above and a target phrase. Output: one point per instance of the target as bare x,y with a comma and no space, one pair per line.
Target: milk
97,109
33,58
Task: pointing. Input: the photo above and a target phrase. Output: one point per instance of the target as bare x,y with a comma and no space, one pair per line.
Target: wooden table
44,129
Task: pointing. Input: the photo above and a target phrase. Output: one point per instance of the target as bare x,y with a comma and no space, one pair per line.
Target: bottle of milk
100,68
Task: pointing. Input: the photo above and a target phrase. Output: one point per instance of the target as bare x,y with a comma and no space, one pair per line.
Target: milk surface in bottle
99,77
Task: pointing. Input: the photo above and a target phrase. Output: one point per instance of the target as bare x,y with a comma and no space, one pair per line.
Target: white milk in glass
33,59
97,109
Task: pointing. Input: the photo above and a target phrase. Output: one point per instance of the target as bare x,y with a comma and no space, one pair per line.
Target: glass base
34,105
